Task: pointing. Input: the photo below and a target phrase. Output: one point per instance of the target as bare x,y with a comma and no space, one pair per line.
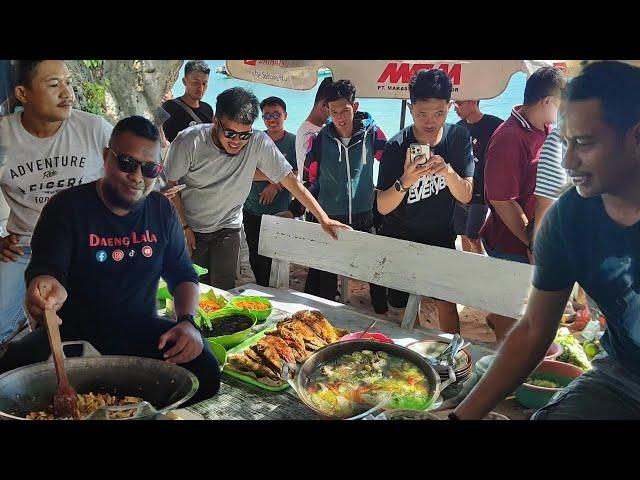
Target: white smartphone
180,187
417,149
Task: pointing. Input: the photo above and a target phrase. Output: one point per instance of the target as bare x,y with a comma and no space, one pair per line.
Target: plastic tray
248,342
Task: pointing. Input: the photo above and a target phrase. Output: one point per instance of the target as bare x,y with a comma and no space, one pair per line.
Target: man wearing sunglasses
218,164
49,147
101,264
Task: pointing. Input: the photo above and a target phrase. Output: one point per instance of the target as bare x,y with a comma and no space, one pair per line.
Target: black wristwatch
187,317
399,187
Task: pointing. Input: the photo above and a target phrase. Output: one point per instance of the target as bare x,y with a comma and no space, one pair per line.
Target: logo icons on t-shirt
118,255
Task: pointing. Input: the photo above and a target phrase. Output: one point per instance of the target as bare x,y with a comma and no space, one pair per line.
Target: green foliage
95,95
92,63
94,91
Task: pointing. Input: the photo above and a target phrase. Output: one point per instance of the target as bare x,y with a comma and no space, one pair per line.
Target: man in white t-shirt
312,124
48,147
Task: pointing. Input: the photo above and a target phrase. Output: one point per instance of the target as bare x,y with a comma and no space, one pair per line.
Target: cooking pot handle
372,413
288,369
88,350
449,381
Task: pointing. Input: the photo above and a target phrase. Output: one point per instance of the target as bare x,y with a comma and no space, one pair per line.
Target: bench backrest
490,284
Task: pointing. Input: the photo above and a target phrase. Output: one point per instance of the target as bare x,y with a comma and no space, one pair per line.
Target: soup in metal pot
357,381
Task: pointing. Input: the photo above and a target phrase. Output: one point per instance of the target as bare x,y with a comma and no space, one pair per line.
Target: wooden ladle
65,400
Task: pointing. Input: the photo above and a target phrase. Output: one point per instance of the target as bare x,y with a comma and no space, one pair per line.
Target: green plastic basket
261,315
229,341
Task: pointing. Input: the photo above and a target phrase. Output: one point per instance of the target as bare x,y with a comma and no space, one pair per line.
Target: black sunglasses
129,164
231,134
269,116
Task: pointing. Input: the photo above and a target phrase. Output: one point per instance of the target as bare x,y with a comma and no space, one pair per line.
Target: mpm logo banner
402,72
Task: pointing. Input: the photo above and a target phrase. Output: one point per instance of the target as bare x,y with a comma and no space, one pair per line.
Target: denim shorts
12,294
512,257
468,219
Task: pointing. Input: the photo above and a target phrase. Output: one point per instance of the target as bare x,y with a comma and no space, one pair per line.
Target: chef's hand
8,250
36,302
187,343
268,195
332,227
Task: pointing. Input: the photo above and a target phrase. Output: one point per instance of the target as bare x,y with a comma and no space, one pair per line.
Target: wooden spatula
65,400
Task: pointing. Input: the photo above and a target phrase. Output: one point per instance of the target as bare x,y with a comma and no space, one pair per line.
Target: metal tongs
446,358
142,409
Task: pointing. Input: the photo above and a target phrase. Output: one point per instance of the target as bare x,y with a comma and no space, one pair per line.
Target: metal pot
298,376
163,385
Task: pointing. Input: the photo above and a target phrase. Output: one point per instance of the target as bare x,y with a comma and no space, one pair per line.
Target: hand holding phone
417,150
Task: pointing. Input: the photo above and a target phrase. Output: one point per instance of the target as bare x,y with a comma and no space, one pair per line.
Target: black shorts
468,218
397,298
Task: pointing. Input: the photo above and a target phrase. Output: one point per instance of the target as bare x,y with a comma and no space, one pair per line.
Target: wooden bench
498,286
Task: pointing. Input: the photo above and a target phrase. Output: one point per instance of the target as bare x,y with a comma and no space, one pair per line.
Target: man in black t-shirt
590,236
99,249
189,109
469,218
418,197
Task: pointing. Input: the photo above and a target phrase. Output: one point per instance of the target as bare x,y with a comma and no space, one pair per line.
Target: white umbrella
472,79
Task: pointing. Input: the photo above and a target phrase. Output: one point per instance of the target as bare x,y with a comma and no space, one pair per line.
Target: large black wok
298,376
162,384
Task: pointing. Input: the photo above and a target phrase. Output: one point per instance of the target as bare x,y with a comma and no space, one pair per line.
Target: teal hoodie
340,177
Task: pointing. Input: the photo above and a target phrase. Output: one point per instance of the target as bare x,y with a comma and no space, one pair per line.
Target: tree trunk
134,87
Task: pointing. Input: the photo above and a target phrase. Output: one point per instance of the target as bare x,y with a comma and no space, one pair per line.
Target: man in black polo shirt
101,248
189,109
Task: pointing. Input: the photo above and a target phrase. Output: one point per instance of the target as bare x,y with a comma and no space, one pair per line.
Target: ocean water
385,112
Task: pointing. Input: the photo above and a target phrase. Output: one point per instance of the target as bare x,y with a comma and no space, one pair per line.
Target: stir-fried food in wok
89,403
295,339
357,381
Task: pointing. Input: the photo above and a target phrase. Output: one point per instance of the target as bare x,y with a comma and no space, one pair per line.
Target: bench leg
344,289
411,311
279,276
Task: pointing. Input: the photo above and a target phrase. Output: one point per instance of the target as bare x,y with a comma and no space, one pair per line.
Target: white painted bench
468,279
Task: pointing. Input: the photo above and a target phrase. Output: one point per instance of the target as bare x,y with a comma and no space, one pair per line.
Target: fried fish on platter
284,351
307,333
243,362
293,340
320,325
270,355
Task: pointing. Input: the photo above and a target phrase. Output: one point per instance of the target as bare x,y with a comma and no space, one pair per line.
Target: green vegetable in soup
358,381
